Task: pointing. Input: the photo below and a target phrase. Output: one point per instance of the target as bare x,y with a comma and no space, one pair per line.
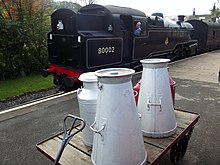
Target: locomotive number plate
103,52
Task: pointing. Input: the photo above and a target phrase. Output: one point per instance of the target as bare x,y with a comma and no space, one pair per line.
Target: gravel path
26,98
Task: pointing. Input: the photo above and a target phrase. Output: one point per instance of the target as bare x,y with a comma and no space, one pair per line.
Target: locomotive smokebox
155,101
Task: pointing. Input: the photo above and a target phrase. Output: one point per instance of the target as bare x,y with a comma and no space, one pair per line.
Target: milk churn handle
79,90
97,131
68,134
154,104
100,86
139,116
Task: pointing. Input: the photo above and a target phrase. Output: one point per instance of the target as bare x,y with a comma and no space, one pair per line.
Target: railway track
5,105
36,105
60,97
44,102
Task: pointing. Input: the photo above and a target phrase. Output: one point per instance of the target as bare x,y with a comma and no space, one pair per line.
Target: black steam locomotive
103,36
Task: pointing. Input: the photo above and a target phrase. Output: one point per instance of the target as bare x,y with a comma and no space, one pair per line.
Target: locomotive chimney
181,18
194,11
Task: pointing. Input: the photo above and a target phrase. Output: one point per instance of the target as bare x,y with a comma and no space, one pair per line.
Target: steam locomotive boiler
99,37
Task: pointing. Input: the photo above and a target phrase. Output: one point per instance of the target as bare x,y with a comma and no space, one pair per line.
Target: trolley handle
68,134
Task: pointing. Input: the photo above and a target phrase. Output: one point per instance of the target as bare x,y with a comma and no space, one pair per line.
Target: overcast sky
168,7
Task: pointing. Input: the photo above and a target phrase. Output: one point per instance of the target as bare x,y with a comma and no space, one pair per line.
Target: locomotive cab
101,48
107,33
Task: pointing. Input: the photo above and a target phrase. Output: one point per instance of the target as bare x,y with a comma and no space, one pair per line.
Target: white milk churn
87,98
118,139
155,101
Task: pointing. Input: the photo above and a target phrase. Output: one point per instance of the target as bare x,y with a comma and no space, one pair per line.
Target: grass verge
16,87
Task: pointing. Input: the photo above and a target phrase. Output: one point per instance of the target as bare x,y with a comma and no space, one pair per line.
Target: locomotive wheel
178,151
56,81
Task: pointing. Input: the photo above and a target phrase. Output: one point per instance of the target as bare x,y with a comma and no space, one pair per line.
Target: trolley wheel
178,151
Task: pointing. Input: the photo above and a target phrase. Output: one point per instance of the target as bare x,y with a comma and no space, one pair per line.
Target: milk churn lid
88,77
155,60
154,63
114,72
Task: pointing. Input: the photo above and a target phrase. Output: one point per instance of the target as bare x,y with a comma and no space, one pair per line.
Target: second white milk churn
155,101
87,98
118,138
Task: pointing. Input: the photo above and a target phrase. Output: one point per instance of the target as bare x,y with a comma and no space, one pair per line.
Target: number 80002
106,50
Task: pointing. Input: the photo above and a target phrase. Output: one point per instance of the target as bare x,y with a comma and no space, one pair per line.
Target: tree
215,12
69,5
87,2
23,28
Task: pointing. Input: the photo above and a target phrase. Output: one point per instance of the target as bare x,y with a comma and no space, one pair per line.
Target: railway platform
197,90
204,68
195,77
